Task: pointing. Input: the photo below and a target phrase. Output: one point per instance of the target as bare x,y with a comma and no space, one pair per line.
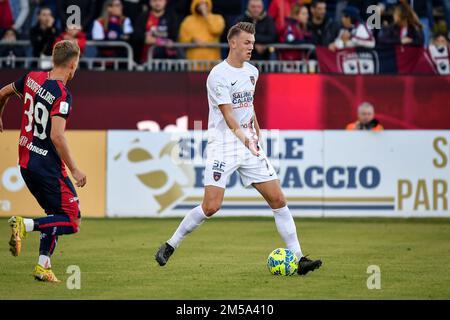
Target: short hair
365,106
295,10
314,3
45,8
64,51
241,27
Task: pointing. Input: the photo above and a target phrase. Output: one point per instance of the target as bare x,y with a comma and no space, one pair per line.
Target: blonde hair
64,51
241,27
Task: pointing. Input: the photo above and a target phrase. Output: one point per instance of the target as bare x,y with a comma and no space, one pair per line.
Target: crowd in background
156,24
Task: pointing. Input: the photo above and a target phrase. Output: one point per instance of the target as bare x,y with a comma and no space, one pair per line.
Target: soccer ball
282,262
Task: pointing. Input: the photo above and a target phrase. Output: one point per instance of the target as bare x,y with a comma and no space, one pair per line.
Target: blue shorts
56,195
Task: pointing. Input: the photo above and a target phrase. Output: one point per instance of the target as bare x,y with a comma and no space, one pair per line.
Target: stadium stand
137,35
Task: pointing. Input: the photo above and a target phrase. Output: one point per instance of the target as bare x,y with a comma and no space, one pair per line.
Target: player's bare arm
59,140
227,111
5,93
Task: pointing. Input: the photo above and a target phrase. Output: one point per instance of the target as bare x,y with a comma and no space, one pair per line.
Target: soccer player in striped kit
44,154
233,134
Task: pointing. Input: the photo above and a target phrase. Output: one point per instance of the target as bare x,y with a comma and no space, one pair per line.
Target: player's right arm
227,111
5,93
60,142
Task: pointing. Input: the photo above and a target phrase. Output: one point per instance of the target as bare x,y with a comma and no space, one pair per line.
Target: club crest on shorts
252,79
216,176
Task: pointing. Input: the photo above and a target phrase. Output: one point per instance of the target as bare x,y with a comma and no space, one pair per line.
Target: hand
50,22
407,40
345,36
203,9
253,147
199,42
79,177
1,125
332,47
149,39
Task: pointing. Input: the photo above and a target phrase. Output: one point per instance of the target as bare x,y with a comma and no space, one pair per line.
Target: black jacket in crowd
42,40
325,33
138,37
265,33
390,36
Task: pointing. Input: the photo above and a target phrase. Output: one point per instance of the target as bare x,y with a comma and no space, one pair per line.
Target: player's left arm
5,92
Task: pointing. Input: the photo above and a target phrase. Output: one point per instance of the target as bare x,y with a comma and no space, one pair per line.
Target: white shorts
223,160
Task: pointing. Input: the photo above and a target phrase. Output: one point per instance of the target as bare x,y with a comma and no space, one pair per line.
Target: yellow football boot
18,233
45,275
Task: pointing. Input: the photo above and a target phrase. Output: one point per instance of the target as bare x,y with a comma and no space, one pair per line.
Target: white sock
29,225
44,261
190,222
286,228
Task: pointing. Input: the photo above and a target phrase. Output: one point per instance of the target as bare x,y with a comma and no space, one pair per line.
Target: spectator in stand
112,25
202,27
295,32
324,30
155,27
35,8
265,29
74,33
279,10
354,32
87,8
43,35
406,29
423,10
366,119
12,51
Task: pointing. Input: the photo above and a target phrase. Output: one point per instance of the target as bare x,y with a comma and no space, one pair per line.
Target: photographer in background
366,119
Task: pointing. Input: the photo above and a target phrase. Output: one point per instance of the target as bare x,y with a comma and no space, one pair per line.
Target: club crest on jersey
252,79
216,176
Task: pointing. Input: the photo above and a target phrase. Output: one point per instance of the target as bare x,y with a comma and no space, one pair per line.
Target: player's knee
278,201
210,208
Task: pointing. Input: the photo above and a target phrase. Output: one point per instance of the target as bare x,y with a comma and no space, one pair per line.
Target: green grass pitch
226,259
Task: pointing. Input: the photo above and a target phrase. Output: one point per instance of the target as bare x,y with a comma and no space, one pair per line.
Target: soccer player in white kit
233,134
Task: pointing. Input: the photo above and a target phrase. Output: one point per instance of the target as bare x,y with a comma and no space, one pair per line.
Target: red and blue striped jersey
43,99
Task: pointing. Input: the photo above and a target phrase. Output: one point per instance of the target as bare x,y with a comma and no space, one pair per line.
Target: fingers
82,182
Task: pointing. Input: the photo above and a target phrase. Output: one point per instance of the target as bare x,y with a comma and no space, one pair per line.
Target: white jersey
236,86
